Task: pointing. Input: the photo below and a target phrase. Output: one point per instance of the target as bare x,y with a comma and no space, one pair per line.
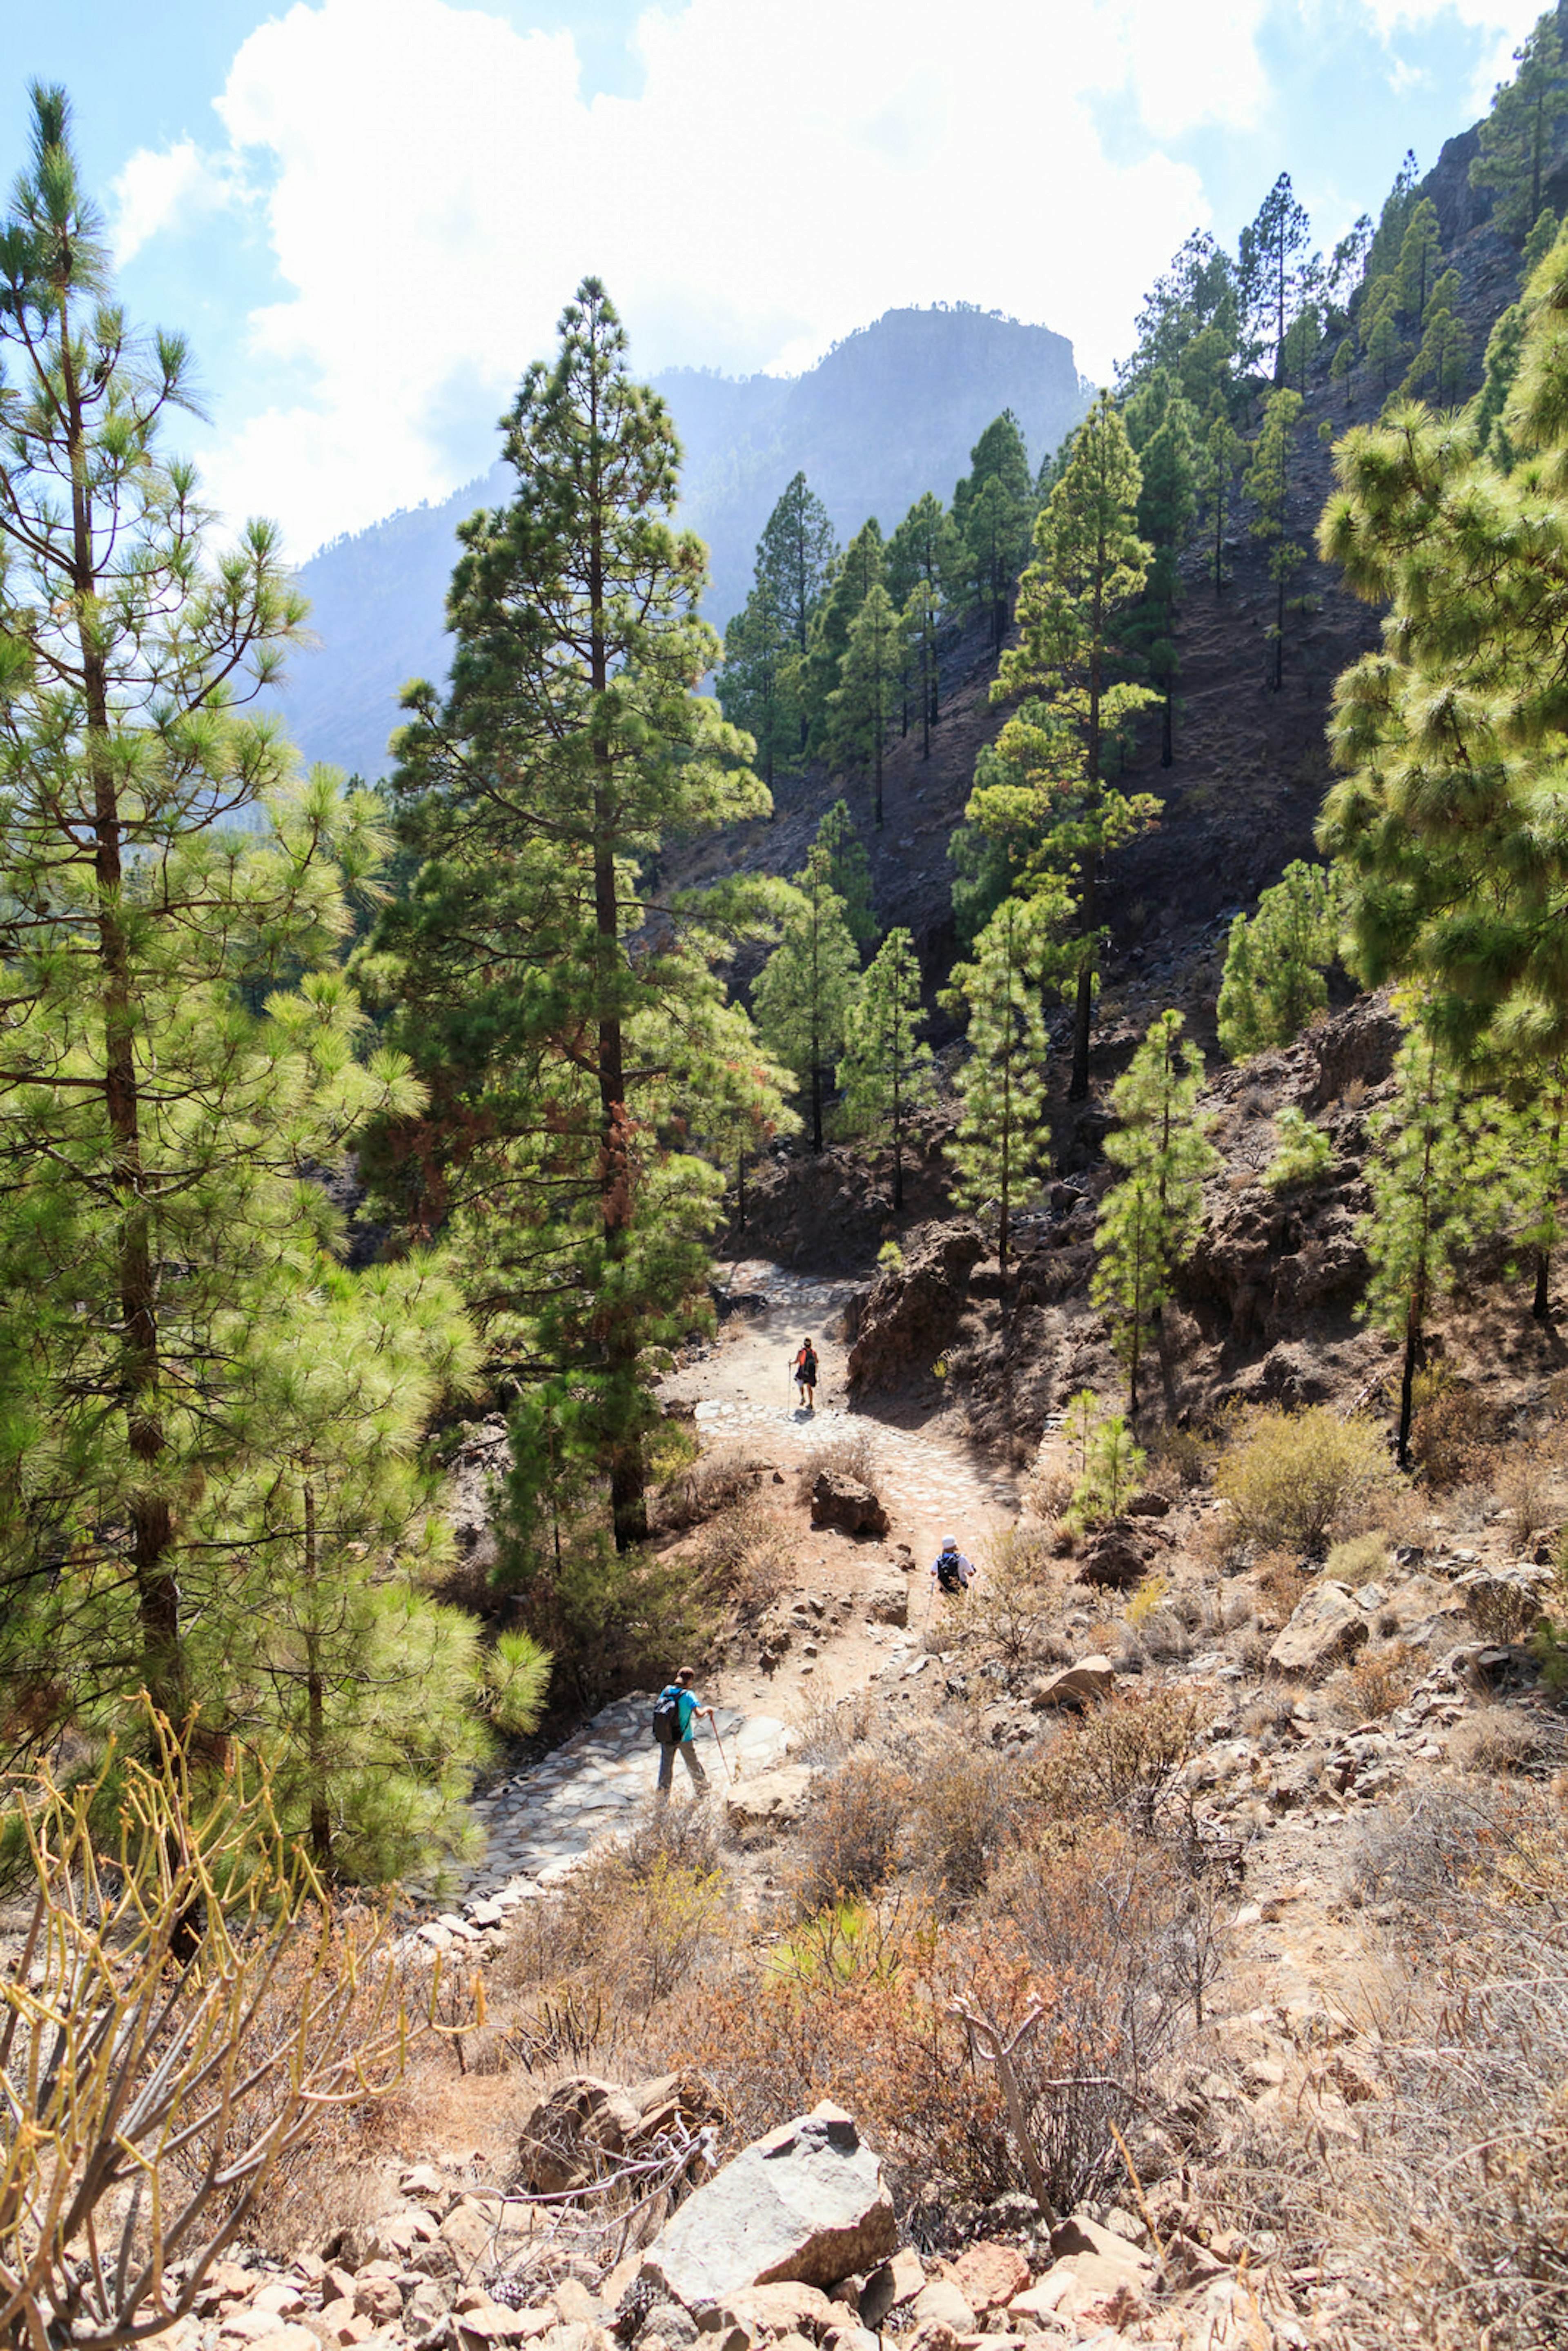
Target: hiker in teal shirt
681,1689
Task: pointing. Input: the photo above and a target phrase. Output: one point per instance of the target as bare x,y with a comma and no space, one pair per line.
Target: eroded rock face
843,1502
805,2203
912,1316
1326,1628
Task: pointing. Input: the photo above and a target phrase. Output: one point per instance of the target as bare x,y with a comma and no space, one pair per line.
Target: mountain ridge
890,411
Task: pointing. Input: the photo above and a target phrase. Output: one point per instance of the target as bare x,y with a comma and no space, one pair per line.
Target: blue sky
367,213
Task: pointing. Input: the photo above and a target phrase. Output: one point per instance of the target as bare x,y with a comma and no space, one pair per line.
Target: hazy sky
367,213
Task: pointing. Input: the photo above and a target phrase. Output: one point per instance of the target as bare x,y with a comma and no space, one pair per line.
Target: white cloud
436,184
164,189
1505,22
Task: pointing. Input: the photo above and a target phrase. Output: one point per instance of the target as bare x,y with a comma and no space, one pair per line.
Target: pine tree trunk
1167,730
1279,637
1407,1376
151,1519
876,788
316,1704
739,1191
816,1105
1541,1304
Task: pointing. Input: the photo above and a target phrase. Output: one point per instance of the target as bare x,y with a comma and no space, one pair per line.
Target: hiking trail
539,1823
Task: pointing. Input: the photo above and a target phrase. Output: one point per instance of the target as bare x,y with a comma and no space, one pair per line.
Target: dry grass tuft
852,1453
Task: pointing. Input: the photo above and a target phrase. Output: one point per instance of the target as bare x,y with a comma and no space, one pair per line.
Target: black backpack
667,1717
806,1369
949,1574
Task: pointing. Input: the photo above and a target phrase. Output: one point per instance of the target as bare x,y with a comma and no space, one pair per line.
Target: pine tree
1452,731
1167,507
857,572
924,576
1504,346
1385,344
1149,1222
1274,981
1215,477
849,873
1268,485
993,508
1539,242
758,685
802,997
181,1050
1535,1142
1517,136
887,1070
1435,1160
1341,367
1304,339
1443,358
860,708
1272,253
1089,566
1383,253
571,1032
1420,257
795,560
367,1688
1002,1139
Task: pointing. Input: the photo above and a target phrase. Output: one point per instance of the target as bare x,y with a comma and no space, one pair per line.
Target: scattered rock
887,1602
944,2302
804,2203
843,1502
1326,1627
1114,1562
988,2275
1078,1686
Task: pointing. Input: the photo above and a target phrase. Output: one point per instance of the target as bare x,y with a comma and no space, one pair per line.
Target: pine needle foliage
179,1055
1002,1139
804,994
887,1070
1149,1221
1089,567
571,1020
1275,979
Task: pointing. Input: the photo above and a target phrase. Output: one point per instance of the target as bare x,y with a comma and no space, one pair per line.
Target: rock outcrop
909,1319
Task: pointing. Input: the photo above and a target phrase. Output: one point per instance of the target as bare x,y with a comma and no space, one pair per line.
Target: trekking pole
723,1758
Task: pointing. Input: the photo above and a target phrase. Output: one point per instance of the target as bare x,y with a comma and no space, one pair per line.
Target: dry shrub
965,1805
1133,1941
1503,1611
1121,1758
710,1483
1048,1490
833,1729
1525,1485
1164,1637
1379,1680
1018,1595
747,1554
1452,1436
850,1839
1283,1584
1179,1461
580,1972
1362,1559
850,1454
1496,1740
1290,1476
870,2026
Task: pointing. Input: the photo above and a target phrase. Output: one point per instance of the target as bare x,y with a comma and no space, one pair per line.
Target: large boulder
843,1502
912,1315
1115,1561
805,2203
1326,1628
774,1800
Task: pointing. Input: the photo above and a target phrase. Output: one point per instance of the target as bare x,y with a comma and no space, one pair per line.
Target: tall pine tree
572,1028
1149,1220
887,1070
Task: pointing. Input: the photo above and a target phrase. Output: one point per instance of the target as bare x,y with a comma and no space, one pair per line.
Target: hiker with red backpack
804,1373
676,1709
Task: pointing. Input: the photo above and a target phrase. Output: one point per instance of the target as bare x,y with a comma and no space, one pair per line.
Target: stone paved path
539,1824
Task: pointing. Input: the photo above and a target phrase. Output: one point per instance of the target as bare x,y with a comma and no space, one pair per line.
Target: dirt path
539,1824
932,1482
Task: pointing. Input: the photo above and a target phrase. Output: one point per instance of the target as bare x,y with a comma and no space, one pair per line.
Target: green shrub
1289,1476
1305,1151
